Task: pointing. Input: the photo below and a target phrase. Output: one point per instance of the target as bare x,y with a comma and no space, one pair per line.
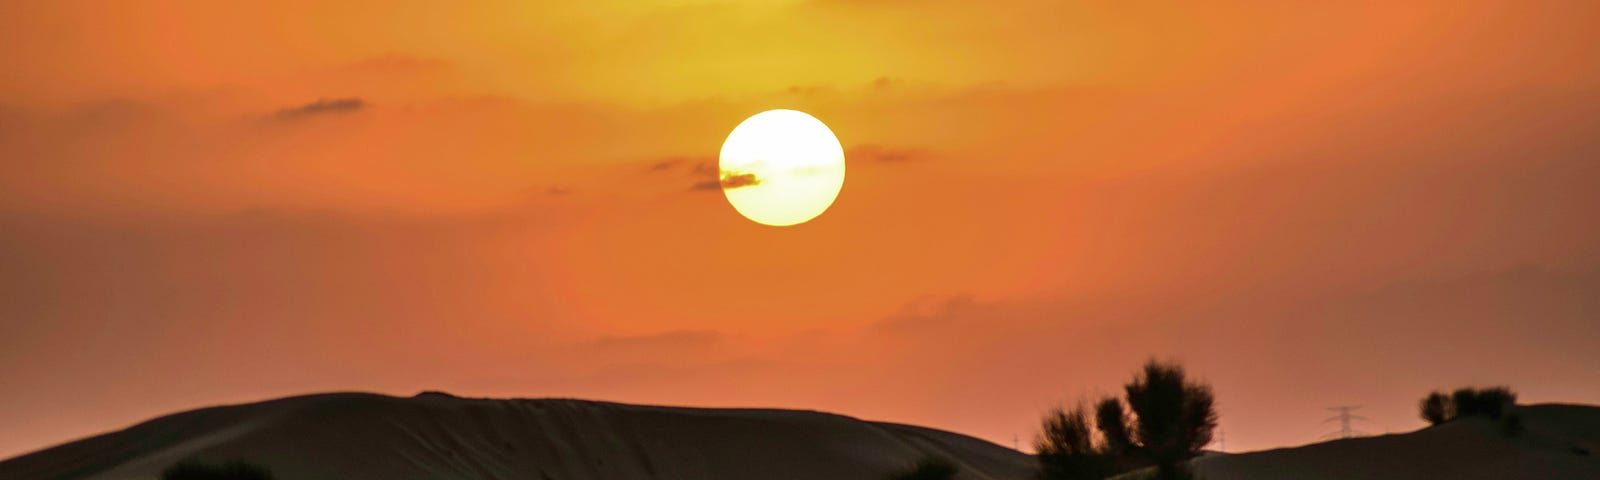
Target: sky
1307,204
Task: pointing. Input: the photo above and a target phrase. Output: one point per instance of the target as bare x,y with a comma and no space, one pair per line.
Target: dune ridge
440,436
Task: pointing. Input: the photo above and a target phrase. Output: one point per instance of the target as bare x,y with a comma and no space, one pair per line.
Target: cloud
729,180
697,165
322,106
672,340
736,180
883,154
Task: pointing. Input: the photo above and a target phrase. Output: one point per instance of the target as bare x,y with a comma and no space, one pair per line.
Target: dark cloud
729,180
736,180
322,106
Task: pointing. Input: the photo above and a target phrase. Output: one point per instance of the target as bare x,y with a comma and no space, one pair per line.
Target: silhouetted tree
1482,402
930,468
1112,421
1167,420
1066,448
1490,402
1436,408
230,470
1175,417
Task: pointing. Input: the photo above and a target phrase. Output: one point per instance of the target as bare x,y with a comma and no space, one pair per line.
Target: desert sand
1559,442
438,436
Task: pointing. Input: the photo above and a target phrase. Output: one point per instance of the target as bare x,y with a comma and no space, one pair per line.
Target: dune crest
440,436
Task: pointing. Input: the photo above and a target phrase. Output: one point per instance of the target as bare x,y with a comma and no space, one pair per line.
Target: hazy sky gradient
1309,205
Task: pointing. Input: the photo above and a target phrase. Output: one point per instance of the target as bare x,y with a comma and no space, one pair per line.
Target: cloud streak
323,106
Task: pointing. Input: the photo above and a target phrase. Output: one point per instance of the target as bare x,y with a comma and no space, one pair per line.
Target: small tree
1483,402
1067,449
1436,408
230,470
1490,402
1165,421
1112,421
1175,416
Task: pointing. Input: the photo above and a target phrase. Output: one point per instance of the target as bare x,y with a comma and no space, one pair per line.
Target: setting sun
781,167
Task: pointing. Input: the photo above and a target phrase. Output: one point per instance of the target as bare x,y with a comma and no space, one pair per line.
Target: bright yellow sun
781,167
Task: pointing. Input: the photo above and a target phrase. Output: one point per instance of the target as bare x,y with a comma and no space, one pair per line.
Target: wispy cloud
323,106
884,154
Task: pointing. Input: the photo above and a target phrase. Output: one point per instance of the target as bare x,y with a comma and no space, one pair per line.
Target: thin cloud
324,106
882,154
729,181
694,165
736,180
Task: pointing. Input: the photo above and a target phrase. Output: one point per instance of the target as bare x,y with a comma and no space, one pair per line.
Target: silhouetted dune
1558,442
438,436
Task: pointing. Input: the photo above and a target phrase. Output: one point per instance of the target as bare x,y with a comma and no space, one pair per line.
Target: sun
781,167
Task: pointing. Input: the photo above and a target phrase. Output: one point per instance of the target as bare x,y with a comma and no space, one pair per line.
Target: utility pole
1344,417
1222,440
1015,445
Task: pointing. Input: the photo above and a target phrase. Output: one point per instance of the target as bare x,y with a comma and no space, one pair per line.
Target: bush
1067,449
230,470
1437,408
1167,420
930,468
1490,402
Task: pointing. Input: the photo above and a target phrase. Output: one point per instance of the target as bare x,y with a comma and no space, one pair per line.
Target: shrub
230,470
1067,449
1168,419
1437,408
1175,417
930,468
1490,402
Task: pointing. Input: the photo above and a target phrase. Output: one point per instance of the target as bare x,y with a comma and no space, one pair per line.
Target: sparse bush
1067,448
1167,420
1490,402
230,470
930,468
1437,408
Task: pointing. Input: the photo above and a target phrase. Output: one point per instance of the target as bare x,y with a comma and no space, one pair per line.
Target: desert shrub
1482,402
1491,402
930,468
1436,408
1067,449
230,470
1164,420
1174,417
1112,422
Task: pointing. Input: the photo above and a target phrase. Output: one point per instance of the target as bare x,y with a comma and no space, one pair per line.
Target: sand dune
1560,442
437,436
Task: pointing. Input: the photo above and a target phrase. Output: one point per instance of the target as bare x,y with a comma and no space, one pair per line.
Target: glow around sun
781,167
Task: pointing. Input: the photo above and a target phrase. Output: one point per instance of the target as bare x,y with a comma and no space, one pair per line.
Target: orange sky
1309,205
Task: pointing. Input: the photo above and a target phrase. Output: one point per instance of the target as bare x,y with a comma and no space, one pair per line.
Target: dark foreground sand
1559,442
435,436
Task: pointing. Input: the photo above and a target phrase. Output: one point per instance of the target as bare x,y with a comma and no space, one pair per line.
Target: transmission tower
1344,417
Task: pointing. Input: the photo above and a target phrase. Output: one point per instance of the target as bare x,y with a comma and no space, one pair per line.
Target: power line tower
1344,417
